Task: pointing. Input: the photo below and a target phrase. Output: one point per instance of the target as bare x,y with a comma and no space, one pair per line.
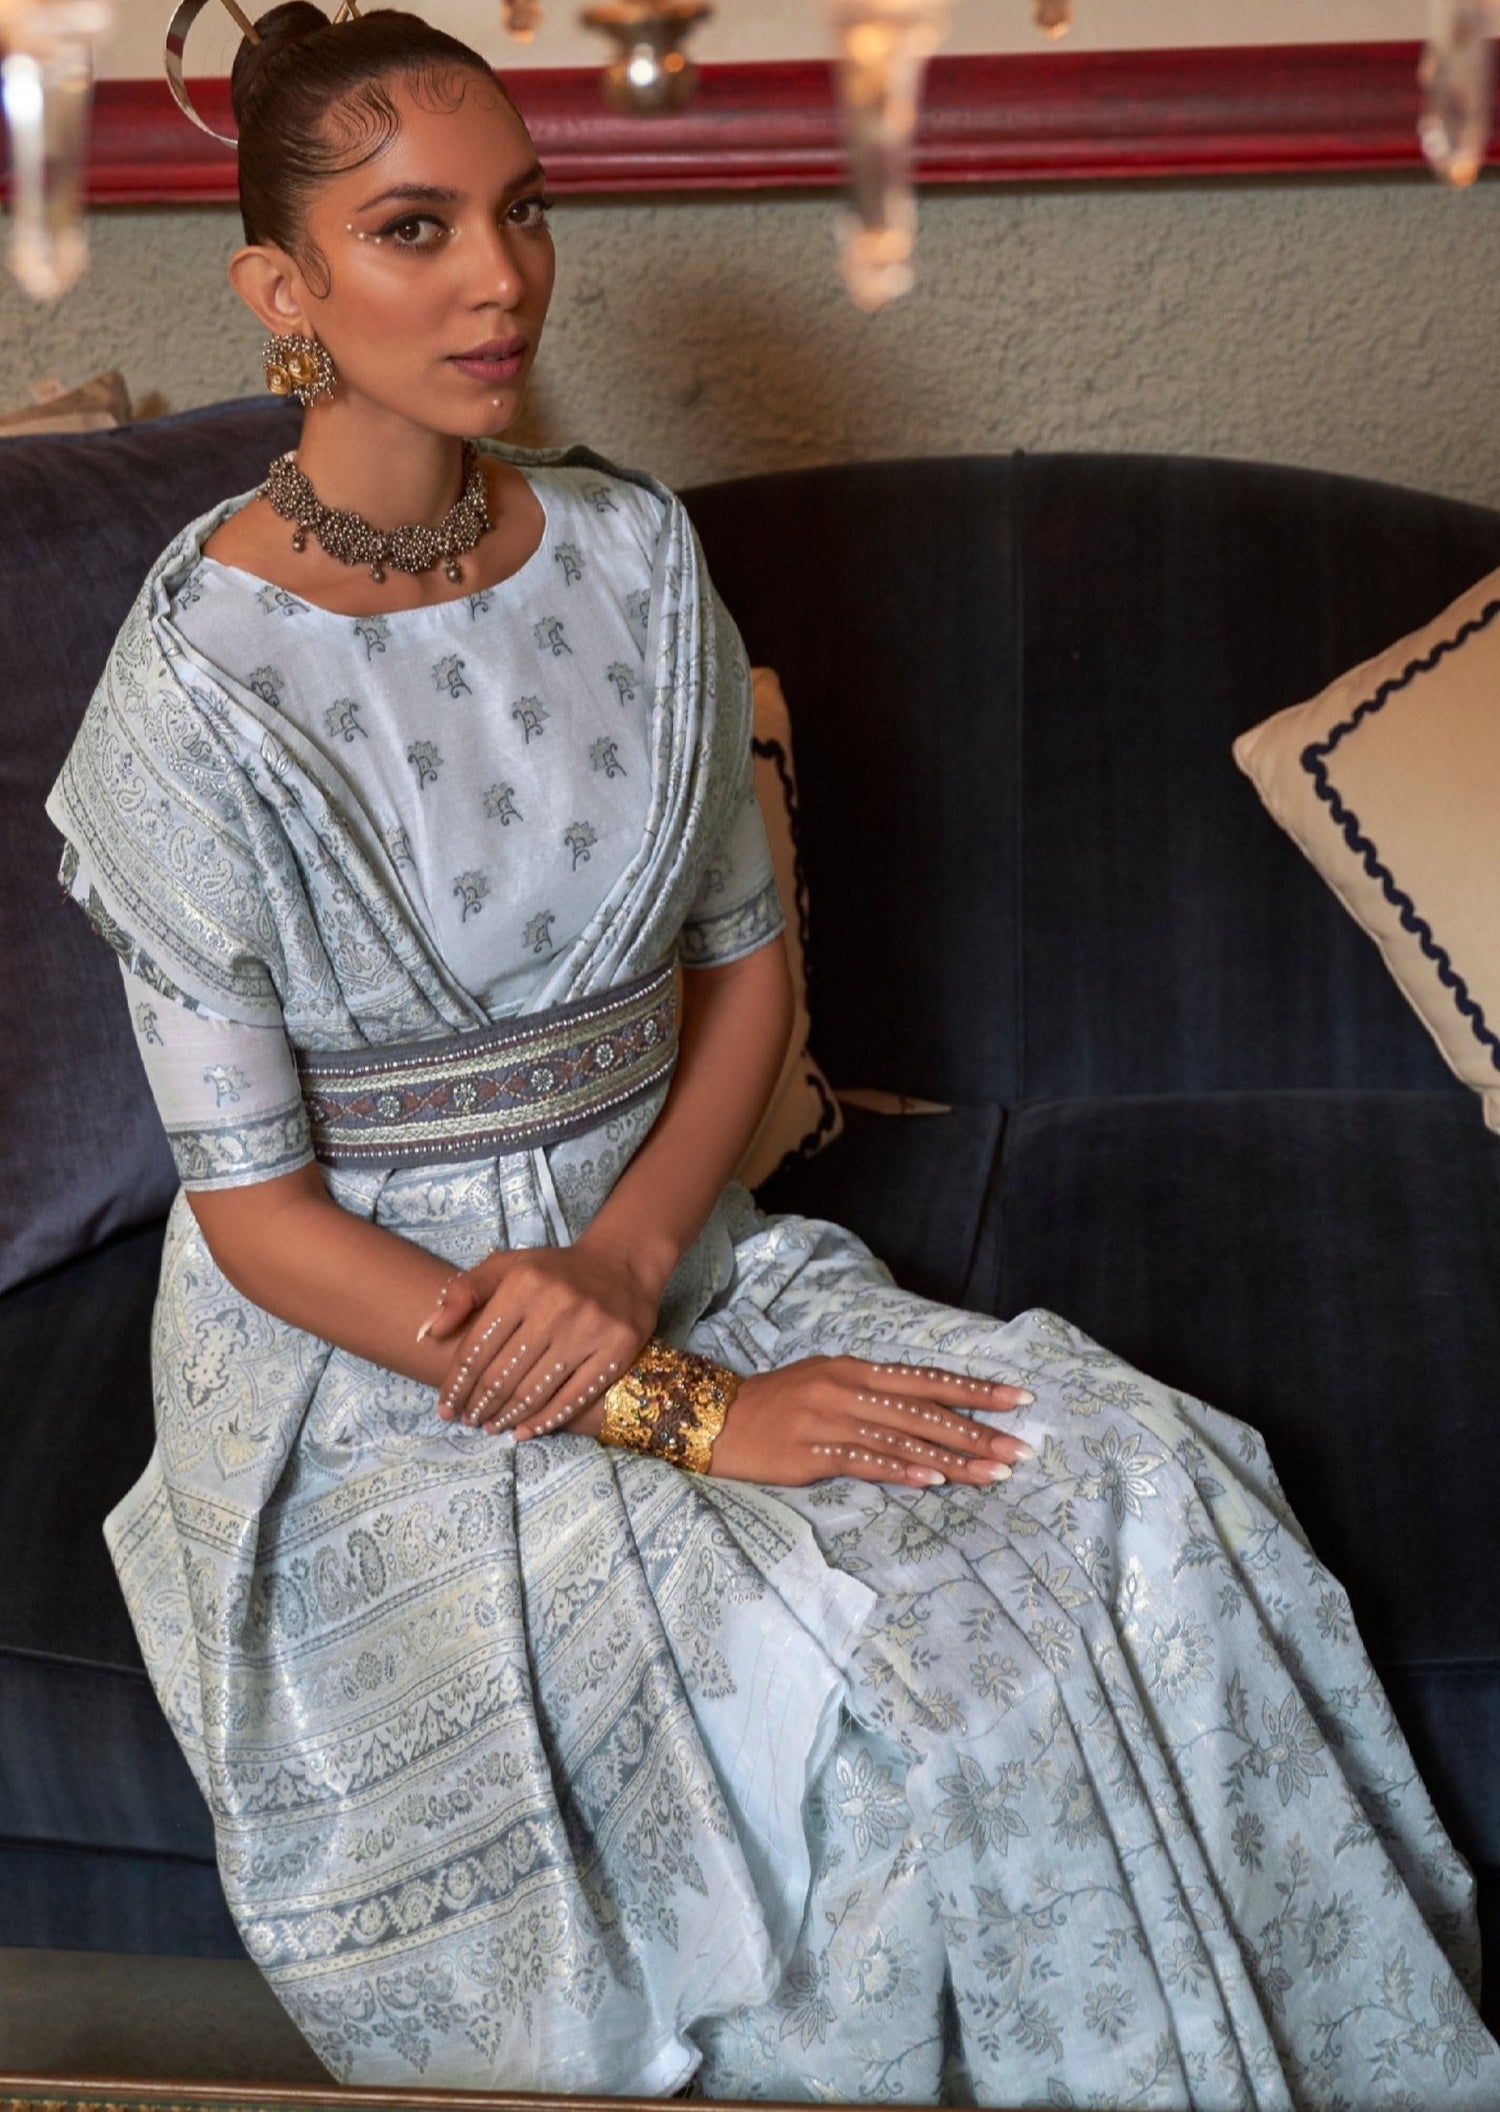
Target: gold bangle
671,1402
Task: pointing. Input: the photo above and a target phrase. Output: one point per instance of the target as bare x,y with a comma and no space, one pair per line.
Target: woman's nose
489,258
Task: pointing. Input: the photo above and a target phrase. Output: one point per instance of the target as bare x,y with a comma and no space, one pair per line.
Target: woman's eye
404,233
532,211
407,232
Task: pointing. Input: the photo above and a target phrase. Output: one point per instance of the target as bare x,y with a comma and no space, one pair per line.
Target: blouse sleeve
228,1094
737,907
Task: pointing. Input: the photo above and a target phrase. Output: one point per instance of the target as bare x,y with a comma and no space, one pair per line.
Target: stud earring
298,366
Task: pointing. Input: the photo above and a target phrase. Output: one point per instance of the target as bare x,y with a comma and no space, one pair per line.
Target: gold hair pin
184,15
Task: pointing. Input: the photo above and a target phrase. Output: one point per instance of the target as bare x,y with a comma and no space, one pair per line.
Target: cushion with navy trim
1389,781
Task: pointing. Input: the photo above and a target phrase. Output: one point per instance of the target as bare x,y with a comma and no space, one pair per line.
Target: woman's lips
491,366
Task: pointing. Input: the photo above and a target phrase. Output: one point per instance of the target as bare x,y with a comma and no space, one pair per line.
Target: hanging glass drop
1054,18
46,84
523,18
1456,77
883,47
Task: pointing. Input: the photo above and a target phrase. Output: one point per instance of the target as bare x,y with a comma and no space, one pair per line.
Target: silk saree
549,1767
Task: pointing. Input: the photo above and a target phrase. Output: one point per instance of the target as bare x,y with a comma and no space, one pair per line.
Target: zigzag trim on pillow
1314,761
775,753
798,1154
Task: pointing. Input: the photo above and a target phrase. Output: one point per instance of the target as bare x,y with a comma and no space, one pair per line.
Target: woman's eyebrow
440,194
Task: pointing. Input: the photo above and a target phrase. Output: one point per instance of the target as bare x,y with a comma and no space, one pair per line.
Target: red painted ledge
1040,116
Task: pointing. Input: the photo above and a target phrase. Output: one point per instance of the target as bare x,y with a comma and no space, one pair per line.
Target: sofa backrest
1034,869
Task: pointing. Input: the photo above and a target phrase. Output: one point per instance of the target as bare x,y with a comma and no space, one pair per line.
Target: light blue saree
551,1767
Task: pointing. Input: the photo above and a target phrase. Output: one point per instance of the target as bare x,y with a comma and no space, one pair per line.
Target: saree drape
550,1767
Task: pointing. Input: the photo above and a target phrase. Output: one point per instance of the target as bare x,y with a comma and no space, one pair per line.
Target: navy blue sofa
1189,1109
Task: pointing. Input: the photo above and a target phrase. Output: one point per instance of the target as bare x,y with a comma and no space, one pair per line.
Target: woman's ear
270,285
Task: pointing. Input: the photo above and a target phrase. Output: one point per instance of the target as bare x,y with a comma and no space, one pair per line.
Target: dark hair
311,100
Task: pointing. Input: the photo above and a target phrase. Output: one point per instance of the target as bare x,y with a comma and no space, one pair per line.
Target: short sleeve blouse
498,742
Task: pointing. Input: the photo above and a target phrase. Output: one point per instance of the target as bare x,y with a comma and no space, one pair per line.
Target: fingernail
995,1473
928,1476
1024,1396
422,1330
1023,1450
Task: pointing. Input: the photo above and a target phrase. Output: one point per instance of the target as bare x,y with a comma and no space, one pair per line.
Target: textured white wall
1348,323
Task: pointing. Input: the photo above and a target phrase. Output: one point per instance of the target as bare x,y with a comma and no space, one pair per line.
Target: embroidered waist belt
505,1087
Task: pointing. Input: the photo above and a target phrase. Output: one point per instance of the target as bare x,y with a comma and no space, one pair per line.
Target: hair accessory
184,15
414,547
671,1402
298,366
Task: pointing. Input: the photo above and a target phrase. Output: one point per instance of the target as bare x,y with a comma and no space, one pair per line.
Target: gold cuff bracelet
671,1402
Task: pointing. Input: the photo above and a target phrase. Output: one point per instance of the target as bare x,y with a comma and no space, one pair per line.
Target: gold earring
298,366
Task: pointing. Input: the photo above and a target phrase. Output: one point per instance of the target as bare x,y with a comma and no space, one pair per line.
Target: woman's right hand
824,1416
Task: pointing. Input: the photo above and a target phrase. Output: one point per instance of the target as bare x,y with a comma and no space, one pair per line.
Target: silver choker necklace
413,547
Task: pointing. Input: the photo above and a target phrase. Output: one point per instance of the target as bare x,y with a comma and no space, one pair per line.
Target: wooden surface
21,2093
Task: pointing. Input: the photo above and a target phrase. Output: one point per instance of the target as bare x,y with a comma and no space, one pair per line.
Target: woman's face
437,248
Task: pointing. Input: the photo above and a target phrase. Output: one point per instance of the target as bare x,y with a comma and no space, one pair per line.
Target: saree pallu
547,1766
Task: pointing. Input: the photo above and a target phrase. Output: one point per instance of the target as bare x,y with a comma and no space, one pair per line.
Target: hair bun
278,29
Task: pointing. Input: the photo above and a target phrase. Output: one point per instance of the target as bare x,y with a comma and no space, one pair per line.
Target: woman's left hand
545,1330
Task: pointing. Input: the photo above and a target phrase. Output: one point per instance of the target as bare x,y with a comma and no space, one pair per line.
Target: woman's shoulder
595,479
242,538
593,488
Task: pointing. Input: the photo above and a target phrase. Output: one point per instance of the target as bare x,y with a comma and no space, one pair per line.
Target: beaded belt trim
519,1082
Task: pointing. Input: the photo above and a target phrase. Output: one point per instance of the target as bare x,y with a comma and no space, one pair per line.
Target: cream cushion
1389,781
803,1114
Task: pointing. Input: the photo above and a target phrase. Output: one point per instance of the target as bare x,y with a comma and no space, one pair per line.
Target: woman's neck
387,470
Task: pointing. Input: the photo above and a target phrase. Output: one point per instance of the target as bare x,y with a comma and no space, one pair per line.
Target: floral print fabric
505,816
546,1766
1113,1762
501,754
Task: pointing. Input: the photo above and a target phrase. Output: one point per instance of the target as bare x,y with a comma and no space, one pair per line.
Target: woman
873,1699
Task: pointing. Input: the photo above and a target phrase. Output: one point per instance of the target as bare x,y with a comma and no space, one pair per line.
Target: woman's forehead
469,139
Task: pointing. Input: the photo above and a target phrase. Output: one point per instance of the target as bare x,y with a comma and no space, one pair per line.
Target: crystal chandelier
881,50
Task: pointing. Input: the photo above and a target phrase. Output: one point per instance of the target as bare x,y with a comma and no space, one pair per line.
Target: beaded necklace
413,547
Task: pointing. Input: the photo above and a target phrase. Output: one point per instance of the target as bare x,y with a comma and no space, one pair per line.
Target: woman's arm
230,1102
736,1022
288,1246
815,1416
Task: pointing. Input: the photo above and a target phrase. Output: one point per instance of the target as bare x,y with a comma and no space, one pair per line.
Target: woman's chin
486,407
